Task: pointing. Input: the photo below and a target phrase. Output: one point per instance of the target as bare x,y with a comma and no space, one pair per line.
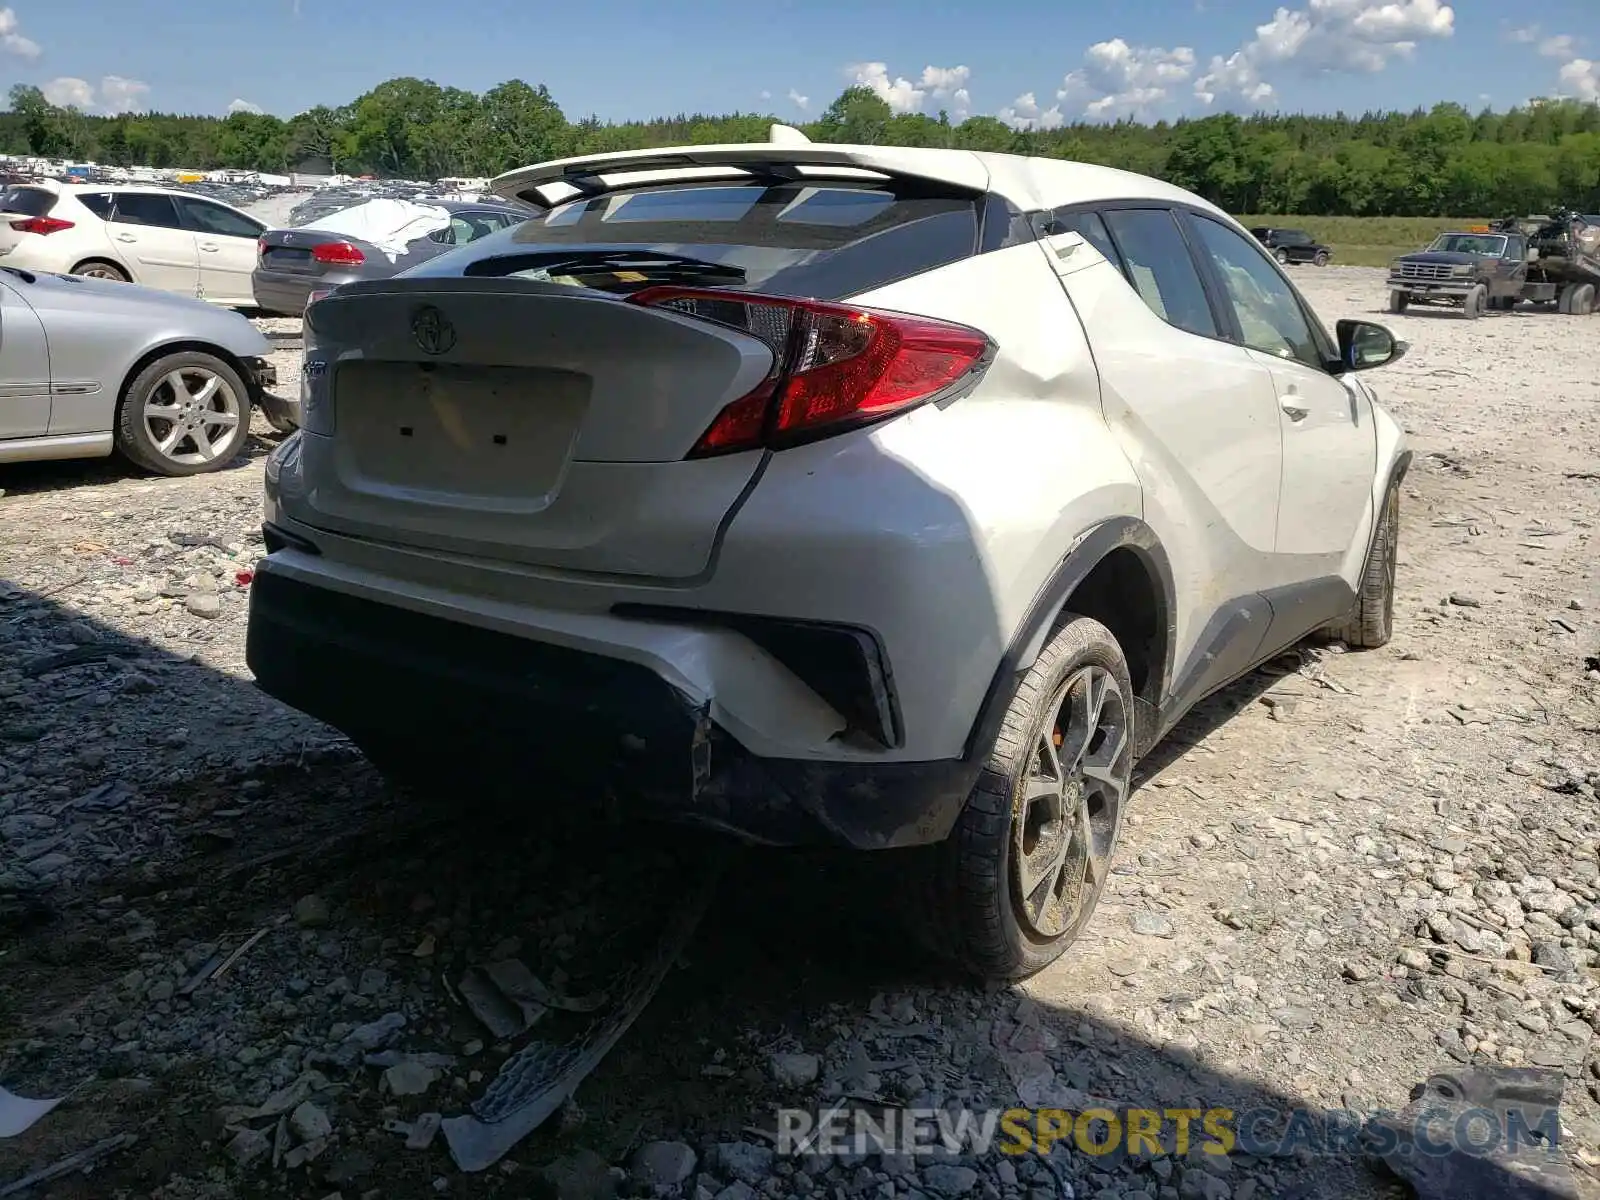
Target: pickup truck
1494,266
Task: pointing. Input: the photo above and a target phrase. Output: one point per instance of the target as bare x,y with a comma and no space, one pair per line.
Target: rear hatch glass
828,240
27,201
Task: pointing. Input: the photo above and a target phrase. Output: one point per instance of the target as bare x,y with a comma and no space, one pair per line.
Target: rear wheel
1399,301
1018,879
1321,259
184,414
1475,303
1371,622
1581,303
1282,256
97,268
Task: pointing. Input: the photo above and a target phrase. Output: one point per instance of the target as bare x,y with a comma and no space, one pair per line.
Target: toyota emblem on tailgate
433,331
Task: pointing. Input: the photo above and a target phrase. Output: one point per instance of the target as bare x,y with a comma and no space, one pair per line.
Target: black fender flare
1079,561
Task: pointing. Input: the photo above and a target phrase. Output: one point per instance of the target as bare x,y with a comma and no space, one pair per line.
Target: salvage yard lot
1333,878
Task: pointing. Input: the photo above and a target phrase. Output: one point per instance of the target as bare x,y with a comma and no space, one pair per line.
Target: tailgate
529,422
287,251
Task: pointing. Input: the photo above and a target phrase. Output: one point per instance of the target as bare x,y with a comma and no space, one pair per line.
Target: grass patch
1368,241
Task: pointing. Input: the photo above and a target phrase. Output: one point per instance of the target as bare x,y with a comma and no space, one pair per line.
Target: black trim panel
1076,565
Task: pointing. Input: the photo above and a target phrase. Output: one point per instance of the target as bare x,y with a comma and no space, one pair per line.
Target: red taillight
338,254
836,367
261,247
41,225
316,294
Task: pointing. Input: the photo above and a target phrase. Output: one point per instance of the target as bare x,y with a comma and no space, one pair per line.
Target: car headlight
1462,272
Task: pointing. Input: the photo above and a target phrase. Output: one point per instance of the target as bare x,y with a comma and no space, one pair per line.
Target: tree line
1437,162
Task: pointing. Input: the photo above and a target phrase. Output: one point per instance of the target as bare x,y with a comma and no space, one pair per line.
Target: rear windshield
28,201
827,240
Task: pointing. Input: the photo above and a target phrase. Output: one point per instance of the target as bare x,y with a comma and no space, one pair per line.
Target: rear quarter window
828,240
27,201
99,203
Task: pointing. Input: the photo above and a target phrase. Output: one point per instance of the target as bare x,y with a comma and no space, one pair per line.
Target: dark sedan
291,264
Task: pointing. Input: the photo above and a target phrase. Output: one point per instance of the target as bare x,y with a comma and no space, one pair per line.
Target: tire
99,268
212,423
1321,259
1371,622
1282,256
1475,303
973,908
1565,299
1399,301
1582,303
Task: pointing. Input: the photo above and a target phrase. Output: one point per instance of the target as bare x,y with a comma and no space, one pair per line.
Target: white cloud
1525,36
799,101
250,106
766,95
1024,113
1581,78
12,41
1119,80
1563,47
903,96
122,95
1347,36
116,94
68,92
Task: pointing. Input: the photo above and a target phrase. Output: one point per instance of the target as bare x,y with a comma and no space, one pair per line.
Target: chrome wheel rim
191,415
1067,808
101,273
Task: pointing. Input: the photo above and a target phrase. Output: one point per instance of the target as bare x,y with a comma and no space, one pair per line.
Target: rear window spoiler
544,185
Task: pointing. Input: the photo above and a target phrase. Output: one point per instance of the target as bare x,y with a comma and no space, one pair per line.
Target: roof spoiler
544,185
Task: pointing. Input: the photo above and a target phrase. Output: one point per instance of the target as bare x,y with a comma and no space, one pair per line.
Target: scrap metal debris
535,1081
510,999
1519,1164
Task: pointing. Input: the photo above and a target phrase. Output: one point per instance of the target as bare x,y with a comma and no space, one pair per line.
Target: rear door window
824,239
205,217
1093,230
146,208
27,201
1157,262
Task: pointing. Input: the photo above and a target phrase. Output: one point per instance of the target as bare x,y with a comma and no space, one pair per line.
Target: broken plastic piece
502,996
534,1082
1528,1166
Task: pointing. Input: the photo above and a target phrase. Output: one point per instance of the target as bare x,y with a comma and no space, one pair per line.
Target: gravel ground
1341,875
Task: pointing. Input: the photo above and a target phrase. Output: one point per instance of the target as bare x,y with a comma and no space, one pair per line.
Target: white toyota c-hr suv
884,497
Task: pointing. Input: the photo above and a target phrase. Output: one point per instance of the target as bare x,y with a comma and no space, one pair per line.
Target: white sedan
161,237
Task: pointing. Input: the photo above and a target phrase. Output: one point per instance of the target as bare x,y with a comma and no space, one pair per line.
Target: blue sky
1038,61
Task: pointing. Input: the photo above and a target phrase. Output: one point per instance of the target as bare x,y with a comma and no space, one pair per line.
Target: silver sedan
88,367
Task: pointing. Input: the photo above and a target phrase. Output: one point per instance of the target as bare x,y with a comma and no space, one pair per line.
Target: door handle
209,247
1293,409
126,237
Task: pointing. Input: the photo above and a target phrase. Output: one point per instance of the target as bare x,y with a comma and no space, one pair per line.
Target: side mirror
1364,345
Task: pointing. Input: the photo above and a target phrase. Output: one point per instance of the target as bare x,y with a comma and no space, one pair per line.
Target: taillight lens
261,247
41,225
835,367
316,294
338,254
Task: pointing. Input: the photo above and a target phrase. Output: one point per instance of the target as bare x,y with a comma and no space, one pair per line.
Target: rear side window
827,240
1092,229
27,201
99,203
146,208
1157,262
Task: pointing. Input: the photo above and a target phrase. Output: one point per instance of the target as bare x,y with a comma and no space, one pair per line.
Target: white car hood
390,225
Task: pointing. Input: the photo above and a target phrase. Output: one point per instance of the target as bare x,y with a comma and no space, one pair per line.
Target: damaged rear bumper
514,708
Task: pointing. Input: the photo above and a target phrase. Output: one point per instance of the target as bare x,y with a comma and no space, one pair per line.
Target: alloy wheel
1068,807
191,415
100,271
